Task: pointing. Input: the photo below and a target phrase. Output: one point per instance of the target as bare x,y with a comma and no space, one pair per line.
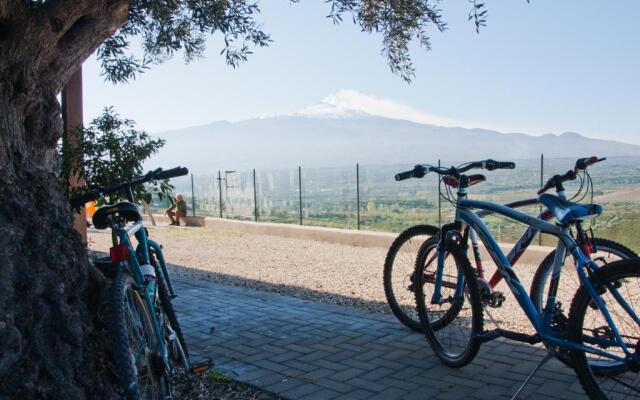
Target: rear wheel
451,325
601,377
607,251
399,269
139,367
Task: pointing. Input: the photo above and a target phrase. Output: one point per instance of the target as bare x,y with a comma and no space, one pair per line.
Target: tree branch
62,14
81,38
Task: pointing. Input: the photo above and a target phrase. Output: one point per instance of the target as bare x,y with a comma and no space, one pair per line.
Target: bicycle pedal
498,300
494,299
201,366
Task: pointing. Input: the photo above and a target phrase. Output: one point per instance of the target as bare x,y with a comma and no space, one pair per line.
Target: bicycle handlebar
401,176
500,165
581,165
170,173
420,170
97,193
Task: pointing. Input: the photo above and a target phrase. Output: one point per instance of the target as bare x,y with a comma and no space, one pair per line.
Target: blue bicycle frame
136,257
541,322
157,249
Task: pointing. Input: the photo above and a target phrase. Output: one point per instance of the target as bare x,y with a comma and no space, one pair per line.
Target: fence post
300,190
193,198
255,197
541,183
358,194
439,200
220,192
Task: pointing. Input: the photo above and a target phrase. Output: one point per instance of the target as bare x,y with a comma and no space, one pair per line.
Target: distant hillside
341,139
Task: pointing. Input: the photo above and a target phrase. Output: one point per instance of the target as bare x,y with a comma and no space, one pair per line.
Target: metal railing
367,197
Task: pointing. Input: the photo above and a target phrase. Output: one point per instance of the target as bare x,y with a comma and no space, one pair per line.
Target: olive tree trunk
50,340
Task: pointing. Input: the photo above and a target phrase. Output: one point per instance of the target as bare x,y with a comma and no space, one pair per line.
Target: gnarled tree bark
49,343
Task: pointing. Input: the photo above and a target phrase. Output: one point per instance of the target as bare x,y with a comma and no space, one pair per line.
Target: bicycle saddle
566,211
125,209
454,183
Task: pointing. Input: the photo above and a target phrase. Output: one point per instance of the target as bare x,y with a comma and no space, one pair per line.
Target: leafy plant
113,151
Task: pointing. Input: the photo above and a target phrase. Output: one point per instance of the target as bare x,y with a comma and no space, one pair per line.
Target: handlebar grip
171,173
583,163
492,165
80,201
77,202
505,165
404,175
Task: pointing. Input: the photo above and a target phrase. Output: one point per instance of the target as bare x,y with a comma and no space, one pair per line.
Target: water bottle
149,274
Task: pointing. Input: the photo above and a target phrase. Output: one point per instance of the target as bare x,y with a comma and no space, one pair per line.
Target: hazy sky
548,66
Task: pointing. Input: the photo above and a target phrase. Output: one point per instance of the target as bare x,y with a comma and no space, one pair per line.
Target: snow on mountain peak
322,110
326,110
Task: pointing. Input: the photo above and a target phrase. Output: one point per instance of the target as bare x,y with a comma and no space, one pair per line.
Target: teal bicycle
148,345
602,334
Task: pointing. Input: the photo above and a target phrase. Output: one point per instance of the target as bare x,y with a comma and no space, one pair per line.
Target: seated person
177,210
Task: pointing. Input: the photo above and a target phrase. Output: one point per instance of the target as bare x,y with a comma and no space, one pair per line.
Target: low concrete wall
332,235
533,256
194,221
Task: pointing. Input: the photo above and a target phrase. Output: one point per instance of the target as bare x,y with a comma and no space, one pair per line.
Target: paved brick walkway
304,350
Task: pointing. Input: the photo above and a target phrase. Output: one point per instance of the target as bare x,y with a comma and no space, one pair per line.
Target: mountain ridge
329,139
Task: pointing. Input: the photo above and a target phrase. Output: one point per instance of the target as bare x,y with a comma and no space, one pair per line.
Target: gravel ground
313,270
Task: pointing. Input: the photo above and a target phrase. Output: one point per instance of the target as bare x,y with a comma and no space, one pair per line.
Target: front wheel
139,367
601,377
452,324
165,303
177,347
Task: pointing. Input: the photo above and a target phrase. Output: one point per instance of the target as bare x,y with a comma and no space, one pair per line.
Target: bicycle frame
518,248
143,248
516,251
161,262
541,322
123,235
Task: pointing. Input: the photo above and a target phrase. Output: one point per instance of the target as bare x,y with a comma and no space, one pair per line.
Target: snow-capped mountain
330,135
322,110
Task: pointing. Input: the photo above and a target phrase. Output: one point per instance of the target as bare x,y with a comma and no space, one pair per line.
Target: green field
329,197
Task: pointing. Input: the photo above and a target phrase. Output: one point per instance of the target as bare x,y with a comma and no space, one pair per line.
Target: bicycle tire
403,312
546,266
472,296
618,273
569,281
428,254
126,303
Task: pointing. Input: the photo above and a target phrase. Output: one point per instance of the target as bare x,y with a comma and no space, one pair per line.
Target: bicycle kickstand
542,362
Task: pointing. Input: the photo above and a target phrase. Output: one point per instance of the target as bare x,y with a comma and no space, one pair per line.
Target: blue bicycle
602,334
147,340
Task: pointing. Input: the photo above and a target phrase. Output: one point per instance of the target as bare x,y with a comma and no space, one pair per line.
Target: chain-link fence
367,196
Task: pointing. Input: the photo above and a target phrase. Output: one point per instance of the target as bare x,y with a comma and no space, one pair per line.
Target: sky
543,67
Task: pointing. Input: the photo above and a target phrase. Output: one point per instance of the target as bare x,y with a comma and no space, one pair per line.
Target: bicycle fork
439,273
